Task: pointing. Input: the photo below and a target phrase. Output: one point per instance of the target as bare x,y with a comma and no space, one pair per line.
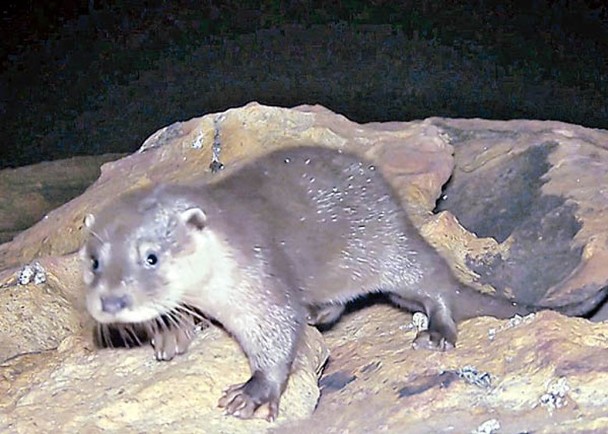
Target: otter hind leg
442,331
324,314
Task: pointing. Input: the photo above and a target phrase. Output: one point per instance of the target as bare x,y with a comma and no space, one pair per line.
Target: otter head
142,256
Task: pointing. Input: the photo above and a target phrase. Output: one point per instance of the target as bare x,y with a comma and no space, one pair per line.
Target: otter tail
584,308
480,304
472,303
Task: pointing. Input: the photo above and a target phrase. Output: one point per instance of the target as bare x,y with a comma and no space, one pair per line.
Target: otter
285,240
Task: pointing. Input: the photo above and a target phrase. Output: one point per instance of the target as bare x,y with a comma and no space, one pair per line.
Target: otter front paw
170,342
242,400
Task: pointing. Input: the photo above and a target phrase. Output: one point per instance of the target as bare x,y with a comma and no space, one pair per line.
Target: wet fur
287,239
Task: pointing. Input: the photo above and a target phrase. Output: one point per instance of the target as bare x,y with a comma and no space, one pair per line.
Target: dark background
92,77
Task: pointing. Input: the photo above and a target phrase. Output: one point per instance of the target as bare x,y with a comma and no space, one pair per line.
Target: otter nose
114,303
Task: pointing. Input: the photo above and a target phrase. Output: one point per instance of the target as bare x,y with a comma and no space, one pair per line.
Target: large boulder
517,208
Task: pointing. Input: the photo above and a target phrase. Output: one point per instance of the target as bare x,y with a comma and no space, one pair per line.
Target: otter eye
151,259
94,263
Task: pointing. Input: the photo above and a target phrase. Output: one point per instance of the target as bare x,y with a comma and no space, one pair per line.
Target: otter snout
115,303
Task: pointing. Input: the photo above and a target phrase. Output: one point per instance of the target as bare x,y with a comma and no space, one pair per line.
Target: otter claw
169,343
431,340
236,402
242,400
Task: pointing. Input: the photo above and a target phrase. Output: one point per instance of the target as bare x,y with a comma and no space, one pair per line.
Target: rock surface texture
523,216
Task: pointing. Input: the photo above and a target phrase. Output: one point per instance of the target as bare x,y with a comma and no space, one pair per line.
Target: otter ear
89,220
194,217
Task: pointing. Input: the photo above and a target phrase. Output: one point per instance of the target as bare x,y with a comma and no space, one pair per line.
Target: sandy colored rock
36,317
543,374
511,371
79,389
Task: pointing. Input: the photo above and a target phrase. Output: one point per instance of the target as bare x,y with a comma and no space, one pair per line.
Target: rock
29,192
522,217
540,191
37,317
544,373
84,390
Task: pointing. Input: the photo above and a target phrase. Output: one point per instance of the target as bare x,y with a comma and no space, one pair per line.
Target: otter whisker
150,328
158,325
124,332
187,307
172,320
102,336
94,234
190,314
